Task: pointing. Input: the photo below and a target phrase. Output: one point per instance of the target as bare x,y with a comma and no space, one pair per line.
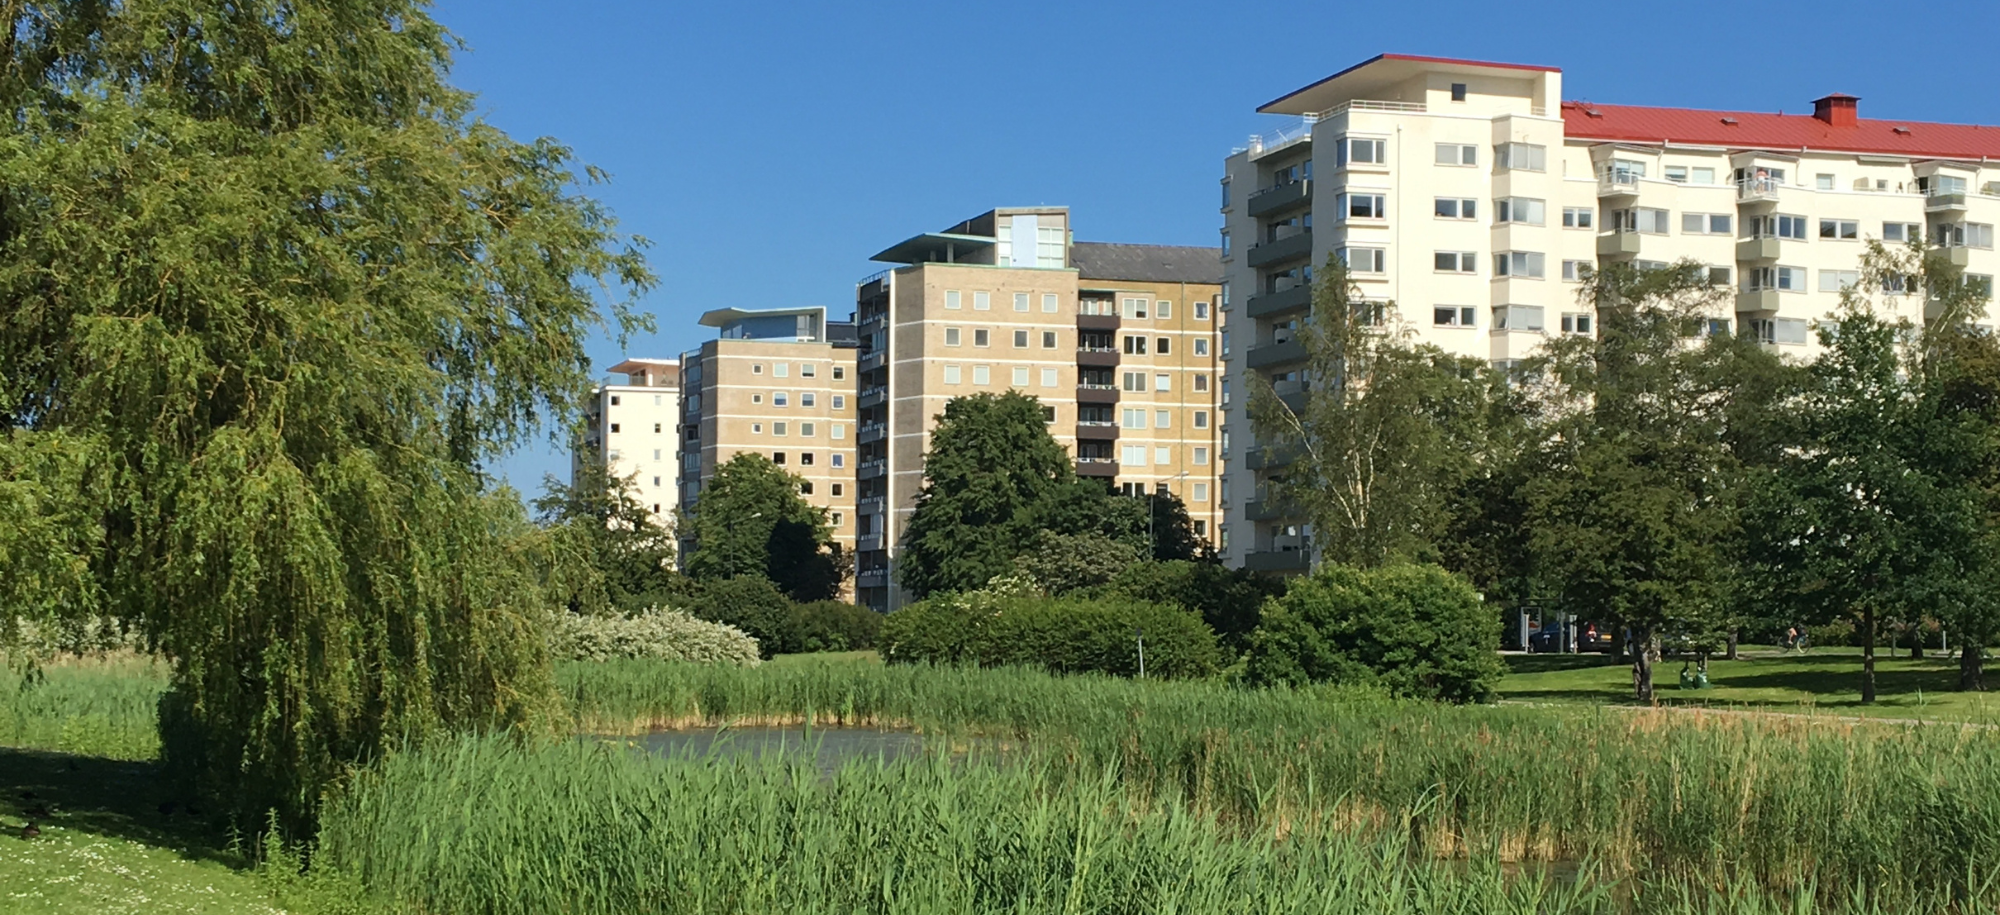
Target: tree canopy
750,520
617,554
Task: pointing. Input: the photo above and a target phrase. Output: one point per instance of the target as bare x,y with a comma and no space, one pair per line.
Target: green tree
623,556
1173,536
991,479
1228,600
274,295
1059,563
751,520
1415,630
1383,432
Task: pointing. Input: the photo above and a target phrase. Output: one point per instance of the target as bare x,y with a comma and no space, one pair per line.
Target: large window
1527,264
1707,223
1135,307
1525,210
1517,317
1640,219
1577,323
1454,315
1577,217
1361,151
1457,154
1902,231
1365,260
1841,229
1523,157
1783,279
1457,208
1836,280
1788,331
1456,261
1364,206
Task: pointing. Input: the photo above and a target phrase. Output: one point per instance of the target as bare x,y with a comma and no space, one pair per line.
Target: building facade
779,382
1119,342
1474,199
630,427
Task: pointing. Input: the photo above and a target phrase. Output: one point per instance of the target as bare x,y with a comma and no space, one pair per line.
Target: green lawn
1825,680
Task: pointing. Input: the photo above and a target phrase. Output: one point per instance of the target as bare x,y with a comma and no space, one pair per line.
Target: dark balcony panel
873,397
871,433
1266,510
1613,244
1096,395
1097,358
1757,249
1275,354
1097,431
1096,468
1271,457
1278,561
1297,298
1284,249
873,361
1280,198
1096,322
871,469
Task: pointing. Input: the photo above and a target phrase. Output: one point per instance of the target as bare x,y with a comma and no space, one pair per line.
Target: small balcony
871,469
873,396
1297,298
1758,190
1096,393
1291,247
872,432
1956,255
1097,430
1613,244
872,578
1278,561
1097,356
1291,393
1264,510
873,505
1280,198
872,361
1757,301
1096,467
1763,248
1275,354
1097,321
1615,183
1944,202
1271,458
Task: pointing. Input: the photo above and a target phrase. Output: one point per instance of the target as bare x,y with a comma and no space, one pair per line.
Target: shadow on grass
115,798
1546,663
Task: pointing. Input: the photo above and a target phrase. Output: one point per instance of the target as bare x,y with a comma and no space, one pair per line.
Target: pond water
828,748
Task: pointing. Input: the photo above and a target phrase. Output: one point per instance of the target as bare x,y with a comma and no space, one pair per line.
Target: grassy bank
1824,680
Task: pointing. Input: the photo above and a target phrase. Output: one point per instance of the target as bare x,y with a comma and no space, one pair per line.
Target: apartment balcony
1957,255
1096,393
874,322
868,543
1096,467
873,286
872,361
1757,301
873,396
873,578
1941,202
1097,356
1280,198
1097,430
1613,184
1096,322
871,469
1272,457
1763,248
872,432
1613,244
1275,354
1291,247
873,505
1290,393
1278,561
1297,298
1758,190
1265,510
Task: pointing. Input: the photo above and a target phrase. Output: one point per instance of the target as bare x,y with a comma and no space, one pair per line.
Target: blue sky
767,149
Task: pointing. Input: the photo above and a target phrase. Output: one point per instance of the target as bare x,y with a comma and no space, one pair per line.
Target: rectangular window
1841,229
777,457
1020,376
1132,455
1132,418
1457,208
1133,381
982,337
1134,346
1707,224
781,370
951,298
1163,309
1200,456
1518,263
1577,217
1517,317
1163,382
982,301
806,429
1201,492
1049,303
1162,419
1134,308
1365,260
1574,271
839,372
1453,315
1793,227
1048,339
1201,310
1360,151
1837,280
1783,279
1678,174
1162,345
1525,157
951,336
1457,154
1020,339
1201,419
1048,378
1201,381
1719,276
1163,456
1701,176
807,370
1577,323
1201,346
806,398
1049,416
1524,210
1362,206
840,401
1650,221
1902,231
951,374
1455,261
982,374
781,399
1021,302
778,428
1823,182
837,431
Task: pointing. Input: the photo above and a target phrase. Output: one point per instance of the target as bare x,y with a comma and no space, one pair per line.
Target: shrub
750,603
1228,600
831,625
667,634
1060,634
1415,630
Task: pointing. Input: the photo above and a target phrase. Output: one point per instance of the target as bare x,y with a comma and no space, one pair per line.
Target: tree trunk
1642,663
1868,657
1731,656
1917,640
1971,667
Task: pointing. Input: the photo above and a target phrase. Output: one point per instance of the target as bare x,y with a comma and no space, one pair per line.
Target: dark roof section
1096,260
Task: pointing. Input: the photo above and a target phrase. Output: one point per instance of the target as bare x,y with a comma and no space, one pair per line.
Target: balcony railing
1097,422
1758,189
1615,181
1081,348
1097,387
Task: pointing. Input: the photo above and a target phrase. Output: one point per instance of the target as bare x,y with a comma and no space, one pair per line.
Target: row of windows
1793,279
805,399
835,431
1511,317
1141,455
983,301
620,427
1135,418
807,458
616,399
1374,151
1134,308
1050,378
806,370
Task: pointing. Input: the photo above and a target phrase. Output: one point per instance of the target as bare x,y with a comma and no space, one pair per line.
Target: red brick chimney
1836,110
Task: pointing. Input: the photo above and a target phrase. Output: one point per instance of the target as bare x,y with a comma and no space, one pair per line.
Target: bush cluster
1061,634
1415,630
756,606
661,633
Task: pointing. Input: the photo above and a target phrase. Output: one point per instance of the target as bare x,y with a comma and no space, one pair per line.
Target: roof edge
1415,58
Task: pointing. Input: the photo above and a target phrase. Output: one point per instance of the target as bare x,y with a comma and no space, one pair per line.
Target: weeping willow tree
272,295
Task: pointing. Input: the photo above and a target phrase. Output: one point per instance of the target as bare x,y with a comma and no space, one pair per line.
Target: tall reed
95,706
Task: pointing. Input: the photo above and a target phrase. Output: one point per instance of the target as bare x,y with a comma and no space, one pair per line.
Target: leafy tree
274,297
624,556
1061,563
1387,433
1415,630
750,603
1228,600
1086,506
750,520
991,480
1633,516
1173,536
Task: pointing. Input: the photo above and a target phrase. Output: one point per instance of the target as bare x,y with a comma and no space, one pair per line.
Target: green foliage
606,540
1061,563
669,635
105,707
1230,601
831,625
1173,538
1415,630
750,520
1061,635
749,603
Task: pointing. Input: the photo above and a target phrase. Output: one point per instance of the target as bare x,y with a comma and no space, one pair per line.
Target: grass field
1824,680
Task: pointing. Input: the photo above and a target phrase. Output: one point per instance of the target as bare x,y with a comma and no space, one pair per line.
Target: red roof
1750,130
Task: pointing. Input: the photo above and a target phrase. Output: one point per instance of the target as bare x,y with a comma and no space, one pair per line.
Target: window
837,432
1020,339
1452,316
1200,456
1457,154
982,374
840,401
777,457
1524,210
1163,309
1365,260
1837,280
1362,206
1981,284
1163,419
1021,301
1020,376
1163,382
756,398
808,370
1455,261
839,372
1779,226
781,370
951,336
1574,271
1701,176
1133,381
1458,92
780,398
1201,346
837,519
656,456
1842,229
1457,208
951,298
656,427
1048,339
1161,345
1135,346
1577,323
982,337
1706,224
1902,231
1518,263
1201,310
1360,151
1048,378
756,368
778,428
1225,242
1678,174
1201,492
614,427
1201,381
1963,235
1577,217
1134,308
1132,455
982,301
838,488
1517,317
1719,276
1163,456
756,428
614,400
1132,418
1048,416
1784,279
1225,391
1201,419
951,374
1788,331
1640,219
806,459
1823,182
1523,157
1049,303
806,398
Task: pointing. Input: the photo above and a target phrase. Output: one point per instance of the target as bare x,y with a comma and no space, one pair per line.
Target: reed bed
94,706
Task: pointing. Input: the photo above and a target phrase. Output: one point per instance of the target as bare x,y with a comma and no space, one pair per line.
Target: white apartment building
1471,196
631,428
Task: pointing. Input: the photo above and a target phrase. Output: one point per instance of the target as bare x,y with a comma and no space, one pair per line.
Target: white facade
1384,160
631,428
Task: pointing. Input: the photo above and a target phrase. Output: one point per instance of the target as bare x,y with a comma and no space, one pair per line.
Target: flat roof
631,366
1378,72
723,317
921,248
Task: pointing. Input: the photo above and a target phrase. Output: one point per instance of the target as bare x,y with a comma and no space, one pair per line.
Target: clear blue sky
767,149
